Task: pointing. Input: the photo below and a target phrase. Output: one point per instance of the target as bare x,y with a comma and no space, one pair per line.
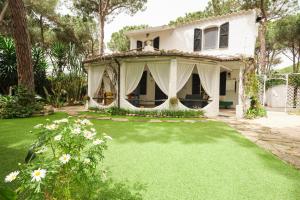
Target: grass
178,161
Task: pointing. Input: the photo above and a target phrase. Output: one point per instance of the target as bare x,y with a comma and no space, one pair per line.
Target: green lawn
176,161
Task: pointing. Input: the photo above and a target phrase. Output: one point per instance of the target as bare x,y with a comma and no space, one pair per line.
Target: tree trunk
262,38
23,47
42,32
101,34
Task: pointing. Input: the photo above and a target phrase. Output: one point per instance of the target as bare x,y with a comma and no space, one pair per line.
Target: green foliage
21,105
68,80
287,34
255,110
119,41
113,111
8,66
65,163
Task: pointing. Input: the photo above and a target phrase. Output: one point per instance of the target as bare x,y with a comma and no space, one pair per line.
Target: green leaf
7,194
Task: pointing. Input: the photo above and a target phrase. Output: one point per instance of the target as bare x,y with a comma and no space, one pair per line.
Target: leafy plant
155,113
65,163
21,105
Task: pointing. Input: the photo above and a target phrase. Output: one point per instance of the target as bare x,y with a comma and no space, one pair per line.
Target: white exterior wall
243,31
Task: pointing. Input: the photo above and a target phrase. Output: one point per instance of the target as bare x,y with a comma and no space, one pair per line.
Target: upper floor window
224,35
211,38
139,45
156,43
197,39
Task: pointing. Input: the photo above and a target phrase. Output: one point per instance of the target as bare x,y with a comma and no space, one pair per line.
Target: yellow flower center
37,173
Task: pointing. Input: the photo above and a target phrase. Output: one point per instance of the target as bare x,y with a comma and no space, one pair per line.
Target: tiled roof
175,53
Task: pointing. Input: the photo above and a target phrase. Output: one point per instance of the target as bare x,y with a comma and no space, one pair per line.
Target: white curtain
106,82
133,75
184,72
210,80
161,75
96,79
207,74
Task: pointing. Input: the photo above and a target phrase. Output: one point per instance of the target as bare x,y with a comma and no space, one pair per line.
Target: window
224,35
197,39
156,43
139,45
223,77
196,84
210,38
143,84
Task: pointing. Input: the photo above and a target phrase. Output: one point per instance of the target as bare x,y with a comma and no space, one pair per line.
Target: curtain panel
184,71
133,75
96,79
161,75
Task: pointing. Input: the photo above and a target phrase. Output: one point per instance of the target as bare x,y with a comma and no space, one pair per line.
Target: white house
200,63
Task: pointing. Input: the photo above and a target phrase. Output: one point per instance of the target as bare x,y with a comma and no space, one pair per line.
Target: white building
200,63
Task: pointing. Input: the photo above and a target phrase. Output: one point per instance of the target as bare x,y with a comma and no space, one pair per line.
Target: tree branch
2,14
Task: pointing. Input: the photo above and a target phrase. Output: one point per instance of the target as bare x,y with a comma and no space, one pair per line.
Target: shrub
255,110
21,105
154,113
65,163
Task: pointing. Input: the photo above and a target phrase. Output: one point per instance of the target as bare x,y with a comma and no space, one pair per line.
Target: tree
287,34
119,41
270,10
23,46
39,10
106,10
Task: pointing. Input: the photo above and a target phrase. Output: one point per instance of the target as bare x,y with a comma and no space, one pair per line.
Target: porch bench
225,104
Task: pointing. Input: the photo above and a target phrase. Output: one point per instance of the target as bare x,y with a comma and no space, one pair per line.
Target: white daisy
87,161
92,129
12,176
65,158
65,120
76,131
97,142
51,127
58,137
88,134
108,137
38,175
86,122
38,126
42,150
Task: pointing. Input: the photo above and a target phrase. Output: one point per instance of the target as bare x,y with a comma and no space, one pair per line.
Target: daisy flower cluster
74,145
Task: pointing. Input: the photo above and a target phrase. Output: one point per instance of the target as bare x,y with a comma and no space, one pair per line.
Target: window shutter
139,45
156,43
197,39
224,35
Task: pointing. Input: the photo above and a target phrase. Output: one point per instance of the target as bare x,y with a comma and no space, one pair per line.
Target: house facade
200,64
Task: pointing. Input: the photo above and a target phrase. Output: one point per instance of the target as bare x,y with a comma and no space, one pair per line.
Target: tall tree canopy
119,41
106,10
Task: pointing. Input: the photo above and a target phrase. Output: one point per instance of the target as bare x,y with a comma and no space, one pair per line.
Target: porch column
173,79
240,107
122,85
88,103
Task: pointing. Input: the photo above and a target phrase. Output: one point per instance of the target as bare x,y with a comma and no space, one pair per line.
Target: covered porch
164,82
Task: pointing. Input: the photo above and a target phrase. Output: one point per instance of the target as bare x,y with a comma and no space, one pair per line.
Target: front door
159,95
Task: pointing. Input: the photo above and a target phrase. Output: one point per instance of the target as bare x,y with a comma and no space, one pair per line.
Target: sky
160,12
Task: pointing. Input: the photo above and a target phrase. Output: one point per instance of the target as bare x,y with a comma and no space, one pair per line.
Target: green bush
155,113
22,104
255,110
66,162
